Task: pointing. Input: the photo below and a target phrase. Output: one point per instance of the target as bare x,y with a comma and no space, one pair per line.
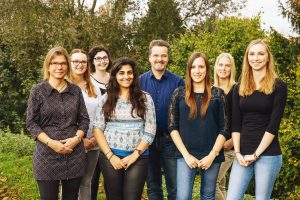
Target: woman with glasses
80,75
124,128
57,119
224,75
259,101
100,63
198,127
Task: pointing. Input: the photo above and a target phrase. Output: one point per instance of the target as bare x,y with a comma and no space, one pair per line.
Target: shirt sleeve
33,113
223,116
83,116
99,121
173,118
280,96
236,120
150,121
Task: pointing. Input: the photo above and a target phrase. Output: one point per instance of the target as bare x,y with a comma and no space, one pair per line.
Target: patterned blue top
124,132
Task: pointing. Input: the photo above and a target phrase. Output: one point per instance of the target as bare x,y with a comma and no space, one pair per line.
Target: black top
59,115
253,115
229,108
199,135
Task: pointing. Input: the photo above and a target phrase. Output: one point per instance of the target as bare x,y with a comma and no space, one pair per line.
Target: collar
49,89
164,76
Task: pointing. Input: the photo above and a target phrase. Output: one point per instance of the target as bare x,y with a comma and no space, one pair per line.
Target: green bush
20,144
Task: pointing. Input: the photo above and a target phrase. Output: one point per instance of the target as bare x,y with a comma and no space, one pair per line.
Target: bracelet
47,142
110,157
255,156
107,153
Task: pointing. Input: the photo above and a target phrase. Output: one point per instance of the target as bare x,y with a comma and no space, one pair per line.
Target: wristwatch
139,151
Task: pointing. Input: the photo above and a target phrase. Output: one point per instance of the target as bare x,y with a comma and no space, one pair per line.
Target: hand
59,147
191,161
228,145
70,142
129,160
206,162
240,159
116,162
249,159
88,143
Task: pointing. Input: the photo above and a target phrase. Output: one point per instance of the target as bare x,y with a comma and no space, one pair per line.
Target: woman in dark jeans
57,120
124,128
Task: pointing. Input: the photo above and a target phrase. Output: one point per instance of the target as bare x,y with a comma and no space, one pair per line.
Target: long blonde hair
86,76
248,86
232,71
189,90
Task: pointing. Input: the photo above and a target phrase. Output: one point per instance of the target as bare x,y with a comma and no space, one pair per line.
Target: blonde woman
57,120
80,75
259,102
224,78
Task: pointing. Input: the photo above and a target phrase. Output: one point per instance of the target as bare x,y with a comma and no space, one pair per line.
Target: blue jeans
265,171
186,177
161,155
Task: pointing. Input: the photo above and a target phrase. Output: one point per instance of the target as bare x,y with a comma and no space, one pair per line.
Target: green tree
292,12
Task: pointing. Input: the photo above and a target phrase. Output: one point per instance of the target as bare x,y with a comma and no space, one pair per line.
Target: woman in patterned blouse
124,128
57,120
198,127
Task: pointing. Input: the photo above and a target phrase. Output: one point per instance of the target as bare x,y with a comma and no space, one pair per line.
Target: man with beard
160,84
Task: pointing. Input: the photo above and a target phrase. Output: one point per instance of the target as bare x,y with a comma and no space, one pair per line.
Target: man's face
159,58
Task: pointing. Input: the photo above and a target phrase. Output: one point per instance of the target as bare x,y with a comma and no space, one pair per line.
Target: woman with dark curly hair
124,128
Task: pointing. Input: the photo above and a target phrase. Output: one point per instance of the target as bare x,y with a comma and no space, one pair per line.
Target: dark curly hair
92,53
136,95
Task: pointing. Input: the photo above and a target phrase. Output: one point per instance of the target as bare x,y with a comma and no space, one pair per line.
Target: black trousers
125,184
49,189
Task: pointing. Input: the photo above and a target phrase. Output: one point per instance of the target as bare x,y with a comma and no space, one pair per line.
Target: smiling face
258,57
224,68
125,76
198,70
159,58
79,63
101,61
58,67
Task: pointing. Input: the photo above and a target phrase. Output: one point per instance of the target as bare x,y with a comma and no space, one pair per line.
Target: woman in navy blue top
198,127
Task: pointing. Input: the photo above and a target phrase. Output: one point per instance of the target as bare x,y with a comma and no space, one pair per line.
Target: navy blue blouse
199,135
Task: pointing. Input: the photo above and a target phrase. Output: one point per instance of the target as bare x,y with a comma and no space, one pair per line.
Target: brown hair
189,90
160,43
86,76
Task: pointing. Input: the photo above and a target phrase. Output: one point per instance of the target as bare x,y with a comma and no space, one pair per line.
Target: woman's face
79,63
258,57
125,76
58,67
224,68
198,70
101,61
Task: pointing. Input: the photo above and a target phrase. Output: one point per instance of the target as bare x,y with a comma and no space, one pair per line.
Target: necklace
60,89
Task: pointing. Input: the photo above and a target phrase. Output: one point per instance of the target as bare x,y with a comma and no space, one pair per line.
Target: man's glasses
77,62
98,59
57,64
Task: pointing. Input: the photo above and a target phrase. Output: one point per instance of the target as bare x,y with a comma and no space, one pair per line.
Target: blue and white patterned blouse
124,132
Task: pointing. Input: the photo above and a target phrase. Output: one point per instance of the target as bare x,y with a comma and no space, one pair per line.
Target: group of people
92,116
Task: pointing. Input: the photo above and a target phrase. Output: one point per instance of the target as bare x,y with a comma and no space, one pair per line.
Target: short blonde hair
56,51
248,86
232,71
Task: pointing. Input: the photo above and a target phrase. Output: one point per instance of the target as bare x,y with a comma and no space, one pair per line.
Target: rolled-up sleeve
33,113
150,121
